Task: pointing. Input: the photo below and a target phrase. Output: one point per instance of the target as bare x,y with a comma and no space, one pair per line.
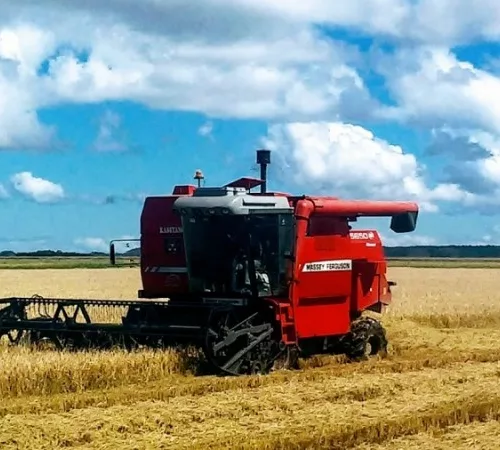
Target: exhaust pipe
263,159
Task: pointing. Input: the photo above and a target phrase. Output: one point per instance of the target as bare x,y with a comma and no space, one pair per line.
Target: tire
367,338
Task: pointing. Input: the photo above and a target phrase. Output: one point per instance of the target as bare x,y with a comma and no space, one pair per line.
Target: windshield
238,254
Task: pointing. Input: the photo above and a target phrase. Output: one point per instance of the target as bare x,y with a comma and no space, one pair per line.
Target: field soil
439,387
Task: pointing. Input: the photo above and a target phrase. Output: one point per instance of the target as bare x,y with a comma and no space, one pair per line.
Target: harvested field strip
59,373
177,385
476,435
324,412
25,372
462,410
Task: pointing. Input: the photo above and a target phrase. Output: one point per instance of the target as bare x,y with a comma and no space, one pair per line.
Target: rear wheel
367,338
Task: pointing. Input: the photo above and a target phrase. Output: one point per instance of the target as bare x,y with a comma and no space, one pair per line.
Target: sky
105,103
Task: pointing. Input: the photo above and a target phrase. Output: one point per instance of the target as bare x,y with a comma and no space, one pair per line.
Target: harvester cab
235,242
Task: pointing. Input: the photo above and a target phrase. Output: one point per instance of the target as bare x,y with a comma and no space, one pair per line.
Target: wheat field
438,388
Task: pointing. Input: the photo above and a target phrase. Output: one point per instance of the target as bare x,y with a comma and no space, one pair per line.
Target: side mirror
112,254
112,250
405,222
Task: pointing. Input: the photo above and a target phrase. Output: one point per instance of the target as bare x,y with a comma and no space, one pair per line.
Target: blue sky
103,104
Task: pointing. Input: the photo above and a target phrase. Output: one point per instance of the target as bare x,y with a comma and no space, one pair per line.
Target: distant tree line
444,251
61,254
421,251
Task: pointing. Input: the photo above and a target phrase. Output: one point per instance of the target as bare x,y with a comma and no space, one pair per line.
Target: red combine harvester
255,279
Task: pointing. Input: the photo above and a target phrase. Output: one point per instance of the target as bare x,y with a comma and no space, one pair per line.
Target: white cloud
108,138
93,244
492,236
349,161
432,86
232,20
471,163
22,49
407,240
299,76
266,60
3,192
24,244
452,21
37,189
460,103
241,69
446,21
19,124
255,59
206,129
99,244
27,45
376,16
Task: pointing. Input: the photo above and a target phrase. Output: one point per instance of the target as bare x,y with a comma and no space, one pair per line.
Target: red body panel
163,263
321,297
337,272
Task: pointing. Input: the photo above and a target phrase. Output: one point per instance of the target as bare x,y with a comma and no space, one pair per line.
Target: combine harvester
256,280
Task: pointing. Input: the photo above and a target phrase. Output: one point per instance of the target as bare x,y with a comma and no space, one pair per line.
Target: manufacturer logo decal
172,280
170,230
328,266
361,235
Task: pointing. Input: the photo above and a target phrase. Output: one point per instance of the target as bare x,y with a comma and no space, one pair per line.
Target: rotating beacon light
198,175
